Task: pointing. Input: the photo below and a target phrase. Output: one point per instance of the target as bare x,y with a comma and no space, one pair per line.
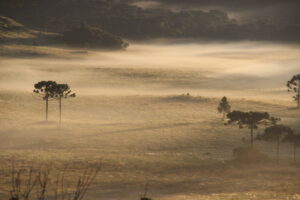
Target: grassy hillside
133,116
180,146
17,40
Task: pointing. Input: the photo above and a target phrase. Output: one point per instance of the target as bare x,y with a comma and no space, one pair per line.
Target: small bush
248,155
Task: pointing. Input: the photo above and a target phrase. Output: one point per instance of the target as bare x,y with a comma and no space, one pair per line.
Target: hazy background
242,69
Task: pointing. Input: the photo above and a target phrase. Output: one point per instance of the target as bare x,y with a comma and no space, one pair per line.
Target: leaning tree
62,91
224,107
276,133
46,89
294,139
294,85
250,120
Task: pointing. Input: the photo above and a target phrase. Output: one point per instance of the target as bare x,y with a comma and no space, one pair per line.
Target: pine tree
224,107
62,91
276,133
46,89
294,85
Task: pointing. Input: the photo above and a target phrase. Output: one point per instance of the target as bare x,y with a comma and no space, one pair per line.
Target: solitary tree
294,85
224,107
62,91
276,133
46,89
250,120
294,139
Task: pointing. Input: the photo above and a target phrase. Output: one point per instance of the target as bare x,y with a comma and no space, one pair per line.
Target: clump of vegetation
250,120
186,98
293,139
224,107
294,85
29,183
276,133
87,36
248,155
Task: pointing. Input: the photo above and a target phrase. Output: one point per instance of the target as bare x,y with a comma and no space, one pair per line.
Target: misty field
149,115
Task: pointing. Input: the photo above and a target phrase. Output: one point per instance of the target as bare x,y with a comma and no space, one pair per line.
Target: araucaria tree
294,85
62,91
276,133
250,120
224,107
294,139
46,89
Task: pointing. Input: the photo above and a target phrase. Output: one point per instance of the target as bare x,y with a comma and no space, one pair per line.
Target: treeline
274,132
122,18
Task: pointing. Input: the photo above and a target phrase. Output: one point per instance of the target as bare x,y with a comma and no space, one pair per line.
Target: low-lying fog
178,145
242,69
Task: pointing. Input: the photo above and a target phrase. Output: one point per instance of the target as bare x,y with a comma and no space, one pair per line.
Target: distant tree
224,107
62,91
276,133
294,85
46,89
294,139
250,120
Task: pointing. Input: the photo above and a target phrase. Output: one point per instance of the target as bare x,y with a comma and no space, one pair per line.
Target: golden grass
132,117
180,146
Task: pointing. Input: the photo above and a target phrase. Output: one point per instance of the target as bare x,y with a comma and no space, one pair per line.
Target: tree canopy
224,106
46,88
275,132
294,85
250,120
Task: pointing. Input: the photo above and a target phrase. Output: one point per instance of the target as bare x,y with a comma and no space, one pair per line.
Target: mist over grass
132,113
164,66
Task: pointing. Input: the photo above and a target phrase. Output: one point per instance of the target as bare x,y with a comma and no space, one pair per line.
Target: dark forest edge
80,35
124,19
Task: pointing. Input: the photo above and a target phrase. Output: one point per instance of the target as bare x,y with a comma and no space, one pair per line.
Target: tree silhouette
62,91
46,89
250,120
294,85
276,133
224,107
294,139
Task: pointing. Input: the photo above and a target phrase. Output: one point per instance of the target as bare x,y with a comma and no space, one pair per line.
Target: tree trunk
59,111
224,115
251,137
298,94
278,143
295,152
47,100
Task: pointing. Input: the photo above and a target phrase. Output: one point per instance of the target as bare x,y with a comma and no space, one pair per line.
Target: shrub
248,155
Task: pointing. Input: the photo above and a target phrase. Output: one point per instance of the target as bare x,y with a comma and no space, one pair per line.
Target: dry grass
135,120
142,139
